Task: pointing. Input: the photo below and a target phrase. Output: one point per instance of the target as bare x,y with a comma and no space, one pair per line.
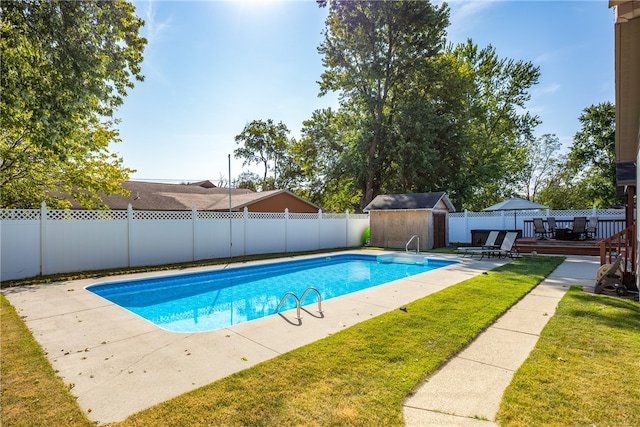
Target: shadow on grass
625,315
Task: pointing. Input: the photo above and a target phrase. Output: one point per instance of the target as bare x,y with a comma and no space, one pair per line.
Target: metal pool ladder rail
406,247
299,300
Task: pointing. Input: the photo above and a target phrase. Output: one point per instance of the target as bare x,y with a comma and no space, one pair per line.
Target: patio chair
592,228
539,228
579,226
507,249
489,244
551,224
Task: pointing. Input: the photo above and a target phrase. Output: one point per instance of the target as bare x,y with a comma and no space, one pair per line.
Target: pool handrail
284,298
299,300
311,288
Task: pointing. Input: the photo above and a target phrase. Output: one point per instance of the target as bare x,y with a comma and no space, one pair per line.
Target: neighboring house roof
179,197
240,201
425,201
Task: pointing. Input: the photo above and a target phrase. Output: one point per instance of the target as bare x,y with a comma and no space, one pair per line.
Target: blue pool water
199,302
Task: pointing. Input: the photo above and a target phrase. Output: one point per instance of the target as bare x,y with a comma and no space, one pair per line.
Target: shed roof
414,201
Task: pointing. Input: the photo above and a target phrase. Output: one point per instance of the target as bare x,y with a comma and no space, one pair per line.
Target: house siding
280,202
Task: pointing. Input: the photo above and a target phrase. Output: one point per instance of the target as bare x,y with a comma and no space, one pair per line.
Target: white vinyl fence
610,221
43,241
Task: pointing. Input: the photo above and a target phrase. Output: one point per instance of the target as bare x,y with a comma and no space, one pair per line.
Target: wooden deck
561,247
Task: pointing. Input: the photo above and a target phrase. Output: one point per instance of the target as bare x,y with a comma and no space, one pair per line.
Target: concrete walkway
117,363
467,391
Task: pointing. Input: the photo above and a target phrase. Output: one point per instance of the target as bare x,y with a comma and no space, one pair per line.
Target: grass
584,370
32,393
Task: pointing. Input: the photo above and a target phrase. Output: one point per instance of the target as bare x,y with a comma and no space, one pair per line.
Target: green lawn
585,369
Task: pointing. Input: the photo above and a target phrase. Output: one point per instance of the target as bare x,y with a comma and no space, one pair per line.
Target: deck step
558,247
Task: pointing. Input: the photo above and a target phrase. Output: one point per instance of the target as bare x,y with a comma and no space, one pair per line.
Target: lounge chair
592,228
489,244
551,224
539,228
609,276
507,249
579,226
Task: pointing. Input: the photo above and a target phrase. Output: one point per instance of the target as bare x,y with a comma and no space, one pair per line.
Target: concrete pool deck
118,363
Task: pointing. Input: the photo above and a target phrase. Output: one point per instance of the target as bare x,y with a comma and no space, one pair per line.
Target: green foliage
263,142
497,126
587,175
416,116
66,67
371,52
592,156
329,171
542,161
248,180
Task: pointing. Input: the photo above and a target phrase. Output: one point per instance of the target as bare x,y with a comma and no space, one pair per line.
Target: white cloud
467,14
153,29
544,90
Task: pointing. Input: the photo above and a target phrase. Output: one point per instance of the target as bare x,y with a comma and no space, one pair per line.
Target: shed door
439,230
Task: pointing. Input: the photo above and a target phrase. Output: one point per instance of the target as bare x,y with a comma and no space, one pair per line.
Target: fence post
346,229
319,227
466,224
194,234
246,224
286,229
130,234
43,237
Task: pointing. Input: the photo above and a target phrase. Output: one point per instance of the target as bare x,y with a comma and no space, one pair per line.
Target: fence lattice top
542,213
93,215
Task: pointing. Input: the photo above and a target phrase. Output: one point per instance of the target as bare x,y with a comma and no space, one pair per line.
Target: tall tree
592,156
370,48
263,143
66,66
328,161
498,124
542,158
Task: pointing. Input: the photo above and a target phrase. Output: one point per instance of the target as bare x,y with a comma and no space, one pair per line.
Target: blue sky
213,66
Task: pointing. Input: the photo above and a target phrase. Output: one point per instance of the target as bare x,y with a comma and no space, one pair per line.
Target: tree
328,161
371,48
592,155
562,190
427,117
66,67
248,180
263,143
541,163
496,125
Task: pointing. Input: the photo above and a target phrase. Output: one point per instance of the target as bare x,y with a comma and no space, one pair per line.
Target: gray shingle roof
409,201
180,197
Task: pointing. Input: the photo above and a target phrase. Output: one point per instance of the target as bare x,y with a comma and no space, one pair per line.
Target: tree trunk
370,190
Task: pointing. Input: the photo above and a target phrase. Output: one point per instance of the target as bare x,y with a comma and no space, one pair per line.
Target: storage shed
395,218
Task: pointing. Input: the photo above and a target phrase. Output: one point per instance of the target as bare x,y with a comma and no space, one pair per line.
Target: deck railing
605,227
621,244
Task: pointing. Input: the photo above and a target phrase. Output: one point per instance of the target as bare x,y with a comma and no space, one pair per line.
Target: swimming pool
199,302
